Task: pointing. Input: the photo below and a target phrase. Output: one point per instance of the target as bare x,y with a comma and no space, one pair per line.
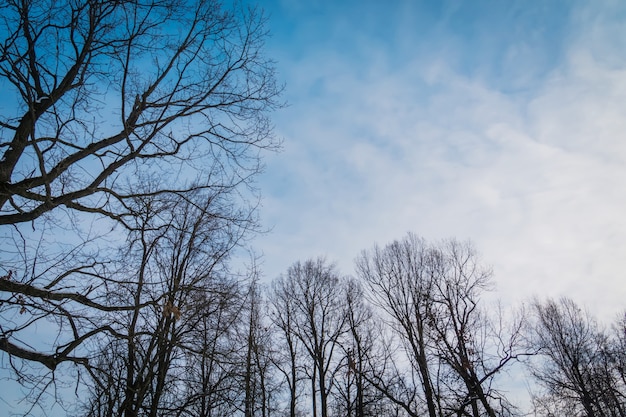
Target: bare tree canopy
430,294
112,111
103,93
131,134
580,366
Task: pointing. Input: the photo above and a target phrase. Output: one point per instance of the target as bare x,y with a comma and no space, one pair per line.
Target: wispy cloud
383,138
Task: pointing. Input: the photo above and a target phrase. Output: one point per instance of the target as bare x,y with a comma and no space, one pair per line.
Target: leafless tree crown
116,117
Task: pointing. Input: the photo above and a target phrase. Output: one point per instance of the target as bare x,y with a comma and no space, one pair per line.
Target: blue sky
501,122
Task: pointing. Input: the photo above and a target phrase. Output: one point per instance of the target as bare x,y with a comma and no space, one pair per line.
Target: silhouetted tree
470,344
260,382
319,322
579,364
355,396
430,295
399,282
110,96
183,297
289,353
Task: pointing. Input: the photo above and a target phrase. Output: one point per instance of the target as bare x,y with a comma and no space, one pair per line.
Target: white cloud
535,178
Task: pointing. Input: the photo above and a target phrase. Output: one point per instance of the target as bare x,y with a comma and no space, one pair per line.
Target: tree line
410,336
131,133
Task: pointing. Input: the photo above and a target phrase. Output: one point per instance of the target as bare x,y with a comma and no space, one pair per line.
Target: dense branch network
112,110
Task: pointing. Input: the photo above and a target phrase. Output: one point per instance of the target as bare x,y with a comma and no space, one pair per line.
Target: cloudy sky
501,122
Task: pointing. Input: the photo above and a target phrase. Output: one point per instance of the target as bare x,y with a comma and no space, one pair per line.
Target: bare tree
178,280
213,369
260,381
289,352
110,96
400,284
465,339
355,396
319,322
430,296
578,367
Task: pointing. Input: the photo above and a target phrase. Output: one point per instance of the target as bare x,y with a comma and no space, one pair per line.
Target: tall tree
472,348
355,396
288,358
176,274
400,284
260,382
430,295
319,322
578,368
110,96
